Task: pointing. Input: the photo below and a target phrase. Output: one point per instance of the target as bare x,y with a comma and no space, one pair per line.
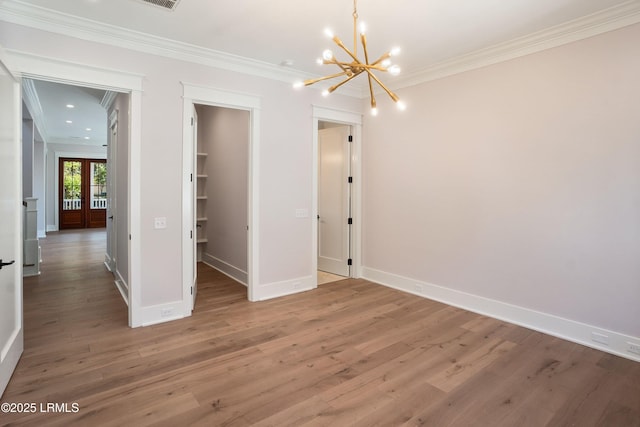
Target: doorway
220,189
334,201
82,194
324,118
129,84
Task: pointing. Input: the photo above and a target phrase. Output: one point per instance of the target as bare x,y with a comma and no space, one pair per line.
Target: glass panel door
83,193
71,201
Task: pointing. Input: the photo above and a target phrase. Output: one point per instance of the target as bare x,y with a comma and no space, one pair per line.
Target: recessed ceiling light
71,106
88,129
68,121
86,137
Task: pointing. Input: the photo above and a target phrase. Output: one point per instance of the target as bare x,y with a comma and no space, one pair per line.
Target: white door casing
196,94
334,200
353,119
50,69
11,326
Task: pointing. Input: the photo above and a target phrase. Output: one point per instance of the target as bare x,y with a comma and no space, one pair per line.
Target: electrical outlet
166,312
160,222
633,347
419,288
600,338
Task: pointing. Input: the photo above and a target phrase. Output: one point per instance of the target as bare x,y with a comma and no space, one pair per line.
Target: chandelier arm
319,79
343,47
336,86
382,85
373,97
345,66
382,58
363,38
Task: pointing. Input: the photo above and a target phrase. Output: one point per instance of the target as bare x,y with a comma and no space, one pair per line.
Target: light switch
302,213
160,222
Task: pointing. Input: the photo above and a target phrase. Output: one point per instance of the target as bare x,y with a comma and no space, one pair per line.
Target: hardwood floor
350,353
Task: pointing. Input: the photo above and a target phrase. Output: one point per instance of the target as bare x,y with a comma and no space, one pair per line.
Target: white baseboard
232,271
160,313
42,234
122,286
567,329
286,287
52,227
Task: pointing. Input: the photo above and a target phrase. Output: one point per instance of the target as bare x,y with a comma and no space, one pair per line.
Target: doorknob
2,264
111,217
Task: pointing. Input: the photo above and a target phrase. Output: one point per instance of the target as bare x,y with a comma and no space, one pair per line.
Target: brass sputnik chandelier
355,67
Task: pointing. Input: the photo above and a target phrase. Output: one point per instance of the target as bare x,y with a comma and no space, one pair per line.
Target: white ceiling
273,31
430,32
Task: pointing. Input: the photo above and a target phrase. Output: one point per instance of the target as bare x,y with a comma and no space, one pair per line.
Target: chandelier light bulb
363,28
319,61
395,51
325,93
374,111
386,63
401,106
298,84
327,55
328,32
394,70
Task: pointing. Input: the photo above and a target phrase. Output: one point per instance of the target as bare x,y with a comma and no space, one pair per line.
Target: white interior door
11,332
111,192
333,200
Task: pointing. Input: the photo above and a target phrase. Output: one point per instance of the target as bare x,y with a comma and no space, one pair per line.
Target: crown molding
18,12
616,17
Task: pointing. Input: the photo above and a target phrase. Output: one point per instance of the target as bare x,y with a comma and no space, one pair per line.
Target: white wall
518,183
285,162
223,133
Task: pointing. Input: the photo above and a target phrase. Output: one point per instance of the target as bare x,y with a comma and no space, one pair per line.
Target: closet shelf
203,154
203,219
203,240
202,176
201,197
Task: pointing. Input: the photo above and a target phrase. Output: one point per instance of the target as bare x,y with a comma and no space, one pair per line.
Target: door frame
329,264
39,67
203,95
353,119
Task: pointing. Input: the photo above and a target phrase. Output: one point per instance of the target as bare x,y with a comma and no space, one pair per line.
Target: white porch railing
76,204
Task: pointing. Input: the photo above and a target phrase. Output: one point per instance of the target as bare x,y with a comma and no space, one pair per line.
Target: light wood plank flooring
350,353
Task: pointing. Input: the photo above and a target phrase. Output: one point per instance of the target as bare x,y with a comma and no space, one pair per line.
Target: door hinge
349,261
191,178
350,138
192,290
191,121
350,180
191,234
350,221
